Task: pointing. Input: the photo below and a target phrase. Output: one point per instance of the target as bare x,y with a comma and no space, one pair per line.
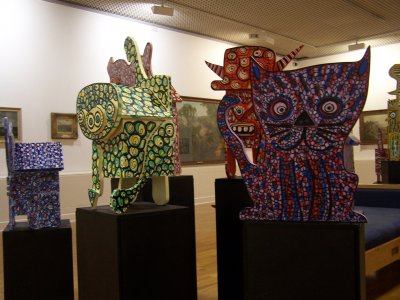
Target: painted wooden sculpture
121,72
305,117
132,131
394,117
381,153
235,75
33,180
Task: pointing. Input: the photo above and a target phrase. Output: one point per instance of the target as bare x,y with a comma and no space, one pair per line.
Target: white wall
50,51
380,83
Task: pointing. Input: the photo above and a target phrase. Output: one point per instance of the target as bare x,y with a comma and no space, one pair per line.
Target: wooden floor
383,285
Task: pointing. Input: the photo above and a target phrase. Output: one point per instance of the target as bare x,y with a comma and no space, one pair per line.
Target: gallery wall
50,51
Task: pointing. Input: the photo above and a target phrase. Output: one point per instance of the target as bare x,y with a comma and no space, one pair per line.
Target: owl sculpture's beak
304,120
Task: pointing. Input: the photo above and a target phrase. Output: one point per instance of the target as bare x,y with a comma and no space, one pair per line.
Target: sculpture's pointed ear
219,70
256,69
365,62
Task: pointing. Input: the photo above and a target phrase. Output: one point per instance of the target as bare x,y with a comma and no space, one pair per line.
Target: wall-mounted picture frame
200,141
64,126
14,116
370,122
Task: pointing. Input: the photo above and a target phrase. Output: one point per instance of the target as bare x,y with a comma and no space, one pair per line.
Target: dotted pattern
33,181
36,194
150,154
131,128
394,117
120,72
236,81
123,73
38,156
98,110
306,116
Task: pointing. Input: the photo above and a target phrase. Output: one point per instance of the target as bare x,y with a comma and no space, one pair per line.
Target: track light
162,10
356,46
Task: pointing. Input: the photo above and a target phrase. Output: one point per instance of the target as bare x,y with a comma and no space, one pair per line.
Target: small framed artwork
370,123
14,117
64,126
200,141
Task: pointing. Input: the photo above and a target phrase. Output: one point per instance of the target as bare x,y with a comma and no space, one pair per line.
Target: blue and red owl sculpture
305,116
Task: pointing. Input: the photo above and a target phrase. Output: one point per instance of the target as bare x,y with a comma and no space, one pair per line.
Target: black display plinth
390,171
181,191
38,263
146,253
230,197
303,261
279,260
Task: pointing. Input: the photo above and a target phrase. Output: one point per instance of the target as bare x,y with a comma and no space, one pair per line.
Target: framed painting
370,123
14,117
64,126
200,141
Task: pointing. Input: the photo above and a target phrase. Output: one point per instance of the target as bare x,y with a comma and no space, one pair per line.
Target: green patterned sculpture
132,132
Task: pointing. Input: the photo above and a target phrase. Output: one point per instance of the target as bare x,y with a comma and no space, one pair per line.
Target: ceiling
324,27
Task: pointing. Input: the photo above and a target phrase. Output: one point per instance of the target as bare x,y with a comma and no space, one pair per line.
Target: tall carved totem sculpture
235,75
305,117
33,181
394,117
131,125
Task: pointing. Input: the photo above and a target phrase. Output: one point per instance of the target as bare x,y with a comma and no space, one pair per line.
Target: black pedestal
277,260
303,261
146,253
230,197
390,171
181,191
38,263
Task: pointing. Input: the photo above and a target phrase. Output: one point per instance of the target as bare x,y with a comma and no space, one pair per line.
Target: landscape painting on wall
200,141
370,123
14,117
64,126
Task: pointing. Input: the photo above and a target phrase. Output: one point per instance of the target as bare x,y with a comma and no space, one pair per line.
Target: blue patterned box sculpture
33,181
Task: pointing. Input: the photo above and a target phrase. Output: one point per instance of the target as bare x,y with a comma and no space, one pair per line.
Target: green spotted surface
131,128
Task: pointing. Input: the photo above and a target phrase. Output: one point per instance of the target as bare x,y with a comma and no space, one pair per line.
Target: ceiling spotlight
253,36
270,40
356,46
162,10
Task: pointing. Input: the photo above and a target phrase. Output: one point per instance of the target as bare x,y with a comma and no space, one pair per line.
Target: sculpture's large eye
239,110
95,119
329,107
280,108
